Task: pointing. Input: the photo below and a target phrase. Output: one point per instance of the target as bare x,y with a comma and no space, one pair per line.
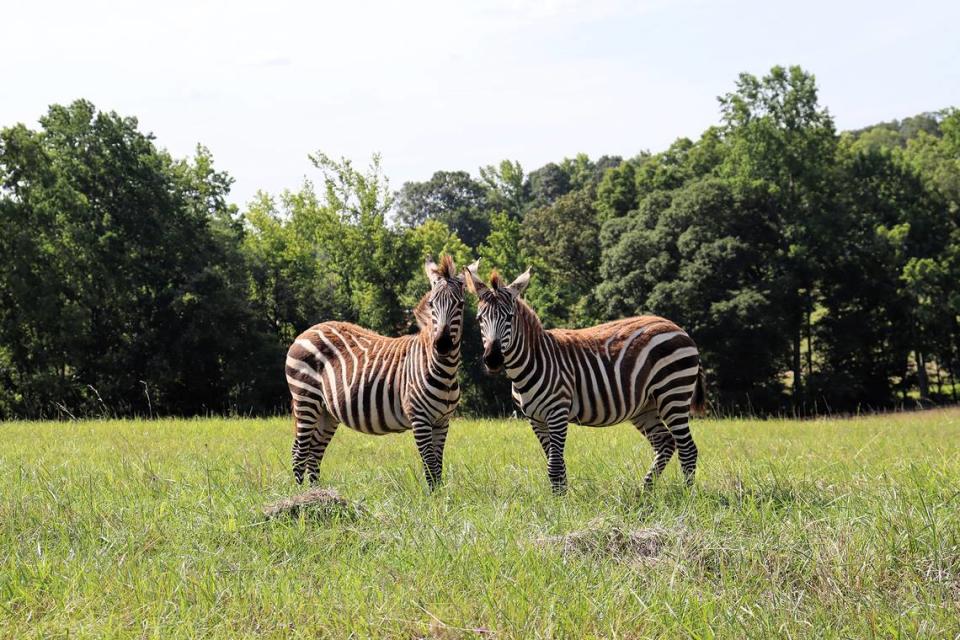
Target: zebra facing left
342,373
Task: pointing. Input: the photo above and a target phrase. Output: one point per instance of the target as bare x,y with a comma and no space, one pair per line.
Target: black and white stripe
645,370
341,373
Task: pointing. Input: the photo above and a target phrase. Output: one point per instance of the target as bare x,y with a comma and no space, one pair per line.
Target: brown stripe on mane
527,315
421,313
446,269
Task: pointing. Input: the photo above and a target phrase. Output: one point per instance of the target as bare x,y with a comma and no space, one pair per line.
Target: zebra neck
528,342
442,368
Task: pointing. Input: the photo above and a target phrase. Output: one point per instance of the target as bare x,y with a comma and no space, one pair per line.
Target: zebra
644,369
339,372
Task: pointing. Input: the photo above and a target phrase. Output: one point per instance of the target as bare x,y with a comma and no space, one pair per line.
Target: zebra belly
370,407
592,410
610,420
389,426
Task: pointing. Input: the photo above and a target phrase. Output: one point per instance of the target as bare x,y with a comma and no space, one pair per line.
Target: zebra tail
699,402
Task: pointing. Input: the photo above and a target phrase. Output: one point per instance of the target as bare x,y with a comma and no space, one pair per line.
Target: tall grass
833,528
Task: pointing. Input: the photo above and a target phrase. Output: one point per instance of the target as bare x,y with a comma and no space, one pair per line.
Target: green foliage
450,197
896,133
937,158
778,133
585,173
373,261
617,192
702,256
120,272
562,243
507,190
501,250
548,183
816,271
288,284
433,239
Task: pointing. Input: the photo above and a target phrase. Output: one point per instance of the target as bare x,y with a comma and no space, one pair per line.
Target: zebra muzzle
493,357
443,343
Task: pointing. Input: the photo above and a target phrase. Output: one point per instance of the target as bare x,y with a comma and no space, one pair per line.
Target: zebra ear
474,283
519,285
432,271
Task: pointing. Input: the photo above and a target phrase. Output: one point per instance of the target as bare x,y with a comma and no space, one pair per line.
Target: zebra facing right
645,370
339,372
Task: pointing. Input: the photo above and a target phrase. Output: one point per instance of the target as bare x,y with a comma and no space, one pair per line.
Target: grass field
840,528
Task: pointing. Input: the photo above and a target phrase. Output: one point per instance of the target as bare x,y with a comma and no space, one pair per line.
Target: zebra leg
439,441
660,439
423,436
556,467
543,435
674,410
313,431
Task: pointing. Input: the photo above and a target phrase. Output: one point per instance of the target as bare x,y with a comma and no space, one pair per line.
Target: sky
456,85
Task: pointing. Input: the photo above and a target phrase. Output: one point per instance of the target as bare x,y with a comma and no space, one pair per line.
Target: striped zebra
339,372
645,370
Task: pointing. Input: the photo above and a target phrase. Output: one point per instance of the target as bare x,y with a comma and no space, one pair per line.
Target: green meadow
824,528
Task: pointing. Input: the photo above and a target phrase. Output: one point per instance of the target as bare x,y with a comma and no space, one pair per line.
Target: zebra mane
446,269
495,280
421,313
525,313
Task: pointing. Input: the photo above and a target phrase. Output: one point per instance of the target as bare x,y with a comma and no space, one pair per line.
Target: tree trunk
922,380
809,328
953,381
954,361
797,374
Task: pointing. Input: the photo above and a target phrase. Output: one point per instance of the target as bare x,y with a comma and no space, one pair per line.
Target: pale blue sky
455,85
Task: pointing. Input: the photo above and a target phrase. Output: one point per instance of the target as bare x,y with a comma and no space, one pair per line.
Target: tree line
816,270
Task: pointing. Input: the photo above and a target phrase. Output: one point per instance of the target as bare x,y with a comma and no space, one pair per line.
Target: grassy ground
845,528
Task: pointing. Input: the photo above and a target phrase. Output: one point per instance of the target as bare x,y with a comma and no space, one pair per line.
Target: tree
896,133
585,173
450,197
507,190
289,282
331,256
936,157
777,133
562,243
372,260
617,191
546,184
877,302
121,273
701,255
502,249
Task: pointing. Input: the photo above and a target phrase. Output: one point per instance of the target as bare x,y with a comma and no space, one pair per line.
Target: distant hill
895,133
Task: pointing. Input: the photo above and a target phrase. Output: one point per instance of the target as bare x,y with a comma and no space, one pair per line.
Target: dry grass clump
602,538
315,501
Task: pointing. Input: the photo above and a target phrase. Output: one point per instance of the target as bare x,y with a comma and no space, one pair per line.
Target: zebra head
496,312
441,310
